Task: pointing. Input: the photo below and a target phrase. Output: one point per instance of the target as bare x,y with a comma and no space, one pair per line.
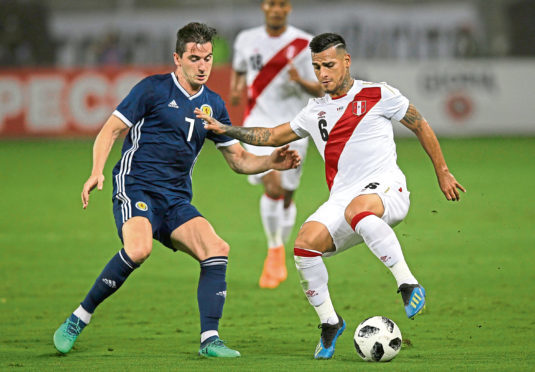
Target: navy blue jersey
165,136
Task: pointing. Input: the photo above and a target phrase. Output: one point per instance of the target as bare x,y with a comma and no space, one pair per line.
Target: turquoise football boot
329,335
214,347
413,299
67,333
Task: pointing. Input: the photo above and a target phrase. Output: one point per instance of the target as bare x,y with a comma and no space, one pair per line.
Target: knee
273,189
221,248
139,252
310,242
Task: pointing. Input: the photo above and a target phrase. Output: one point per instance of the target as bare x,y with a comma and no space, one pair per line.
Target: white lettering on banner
88,101
11,98
44,104
465,98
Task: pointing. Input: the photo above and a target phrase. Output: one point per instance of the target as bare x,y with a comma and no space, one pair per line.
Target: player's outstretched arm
277,136
419,126
101,149
244,162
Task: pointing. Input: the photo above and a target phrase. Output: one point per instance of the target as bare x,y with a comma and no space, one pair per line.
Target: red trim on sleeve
306,253
271,69
359,217
355,111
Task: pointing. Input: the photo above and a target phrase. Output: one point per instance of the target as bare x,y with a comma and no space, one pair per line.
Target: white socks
278,221
401,272
271,211
382,241
314,278
287,221
82,314
207,334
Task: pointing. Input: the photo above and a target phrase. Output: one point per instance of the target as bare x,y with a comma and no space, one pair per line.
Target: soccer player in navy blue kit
152,183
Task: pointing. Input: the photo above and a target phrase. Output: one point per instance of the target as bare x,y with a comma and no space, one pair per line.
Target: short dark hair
324,41
195,32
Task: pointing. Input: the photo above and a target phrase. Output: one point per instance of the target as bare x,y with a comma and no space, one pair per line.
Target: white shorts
289,178
392,190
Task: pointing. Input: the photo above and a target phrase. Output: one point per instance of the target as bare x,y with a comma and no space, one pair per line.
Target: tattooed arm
244,162
277,136
419,126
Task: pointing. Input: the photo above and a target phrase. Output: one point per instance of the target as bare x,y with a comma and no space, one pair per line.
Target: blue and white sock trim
213,261
127,260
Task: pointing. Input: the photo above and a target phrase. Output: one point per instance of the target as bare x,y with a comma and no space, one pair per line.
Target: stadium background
470,68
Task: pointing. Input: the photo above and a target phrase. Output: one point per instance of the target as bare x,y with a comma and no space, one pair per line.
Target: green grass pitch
475,258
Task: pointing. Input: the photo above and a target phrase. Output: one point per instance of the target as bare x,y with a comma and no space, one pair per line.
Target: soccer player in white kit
273,62
351,127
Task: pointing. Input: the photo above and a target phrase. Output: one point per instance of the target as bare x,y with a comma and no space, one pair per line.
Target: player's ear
177,59
347,60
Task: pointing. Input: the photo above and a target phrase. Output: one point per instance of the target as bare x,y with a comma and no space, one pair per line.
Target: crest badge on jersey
359,108
207,109
142,206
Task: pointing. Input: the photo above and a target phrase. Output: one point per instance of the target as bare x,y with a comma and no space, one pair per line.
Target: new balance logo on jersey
173,104
110,283
222,294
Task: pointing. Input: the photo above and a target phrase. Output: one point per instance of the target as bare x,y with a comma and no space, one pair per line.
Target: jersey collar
190,97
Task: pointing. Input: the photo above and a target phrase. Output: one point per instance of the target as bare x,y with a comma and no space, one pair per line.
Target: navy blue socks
109,280
212,292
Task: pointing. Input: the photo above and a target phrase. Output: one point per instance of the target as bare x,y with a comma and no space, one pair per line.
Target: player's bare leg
271,212
137,239
364,215
312,241
198,238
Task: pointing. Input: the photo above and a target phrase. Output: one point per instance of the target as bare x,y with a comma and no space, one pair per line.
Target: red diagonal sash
344,128
271,69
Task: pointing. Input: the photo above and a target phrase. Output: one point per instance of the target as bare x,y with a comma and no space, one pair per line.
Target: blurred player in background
152,183
273,62
351,127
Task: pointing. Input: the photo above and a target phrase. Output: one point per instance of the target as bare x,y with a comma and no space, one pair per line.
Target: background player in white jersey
351,127
273,62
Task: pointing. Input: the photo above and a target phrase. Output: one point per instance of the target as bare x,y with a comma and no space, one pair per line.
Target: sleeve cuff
402,111
123,118
226,144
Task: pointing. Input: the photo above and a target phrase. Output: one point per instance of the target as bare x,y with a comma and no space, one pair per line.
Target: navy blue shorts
164,213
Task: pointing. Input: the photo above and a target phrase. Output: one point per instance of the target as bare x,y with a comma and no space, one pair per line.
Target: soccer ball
377,339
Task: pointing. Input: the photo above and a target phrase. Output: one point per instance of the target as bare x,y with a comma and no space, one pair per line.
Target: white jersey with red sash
272,98
353,133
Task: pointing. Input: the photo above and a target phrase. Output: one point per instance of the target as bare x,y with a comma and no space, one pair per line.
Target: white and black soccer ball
377,339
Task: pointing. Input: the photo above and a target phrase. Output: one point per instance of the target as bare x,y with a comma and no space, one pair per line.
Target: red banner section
77,102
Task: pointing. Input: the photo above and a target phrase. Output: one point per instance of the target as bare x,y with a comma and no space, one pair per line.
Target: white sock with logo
314,279
384,244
